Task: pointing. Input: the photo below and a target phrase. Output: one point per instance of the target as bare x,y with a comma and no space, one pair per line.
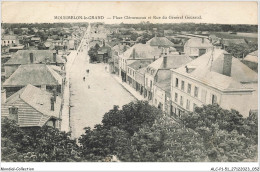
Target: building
104,53
116,51
135,74
9,40
39,75
215,77
162,94
33,107
138,51
160,70
196,47
160,42
251,60
23,57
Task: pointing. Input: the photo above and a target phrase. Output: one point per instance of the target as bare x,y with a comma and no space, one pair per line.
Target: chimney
52,103
54,95
31,57
134,53
164,61
57,51
153,58
54,57
202,40
227,63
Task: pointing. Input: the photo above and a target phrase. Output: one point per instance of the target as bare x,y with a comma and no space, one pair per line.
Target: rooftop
142,51
40,56
208,68
35,74
198,42
160,42
37,99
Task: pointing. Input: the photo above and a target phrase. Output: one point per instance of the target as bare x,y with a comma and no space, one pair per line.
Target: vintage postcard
102,82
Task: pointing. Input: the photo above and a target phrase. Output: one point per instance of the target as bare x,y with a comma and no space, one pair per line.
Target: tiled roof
164,84
160,41
208,69
173,61
35,74
142,51
9,37
198,42
36,98
138,64
252,57
36,39
40,56
120,48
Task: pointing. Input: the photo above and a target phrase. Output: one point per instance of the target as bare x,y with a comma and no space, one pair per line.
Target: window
203,95
196,91
176,97
189,88
181,101
13,110
182,85
194,107
214,99
176,82
188,105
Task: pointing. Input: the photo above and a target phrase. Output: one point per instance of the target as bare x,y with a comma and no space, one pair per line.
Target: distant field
248,36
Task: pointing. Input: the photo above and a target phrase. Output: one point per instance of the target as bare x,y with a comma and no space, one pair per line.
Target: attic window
13,110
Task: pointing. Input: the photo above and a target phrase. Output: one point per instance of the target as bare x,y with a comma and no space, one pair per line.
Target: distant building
39,75
104,53
10,40
196,47
22,57
160,42
138,51
33,107
215,77
136,74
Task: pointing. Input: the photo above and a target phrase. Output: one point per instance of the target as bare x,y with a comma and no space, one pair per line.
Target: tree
93,52
132,117
37,144
226,134
241,50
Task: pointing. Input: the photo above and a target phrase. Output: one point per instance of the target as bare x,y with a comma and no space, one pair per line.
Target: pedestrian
84,78
88,86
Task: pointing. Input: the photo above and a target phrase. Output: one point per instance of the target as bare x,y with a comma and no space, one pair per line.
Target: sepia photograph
108,83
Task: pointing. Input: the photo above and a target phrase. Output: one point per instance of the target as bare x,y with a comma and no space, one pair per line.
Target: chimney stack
54,57
52,103
134,53
31,57
164,61
153,58
54,95
227,64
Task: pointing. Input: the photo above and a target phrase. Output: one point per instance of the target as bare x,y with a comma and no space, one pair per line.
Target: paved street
90,104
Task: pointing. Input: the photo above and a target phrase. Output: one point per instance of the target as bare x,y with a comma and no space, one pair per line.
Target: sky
115,12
